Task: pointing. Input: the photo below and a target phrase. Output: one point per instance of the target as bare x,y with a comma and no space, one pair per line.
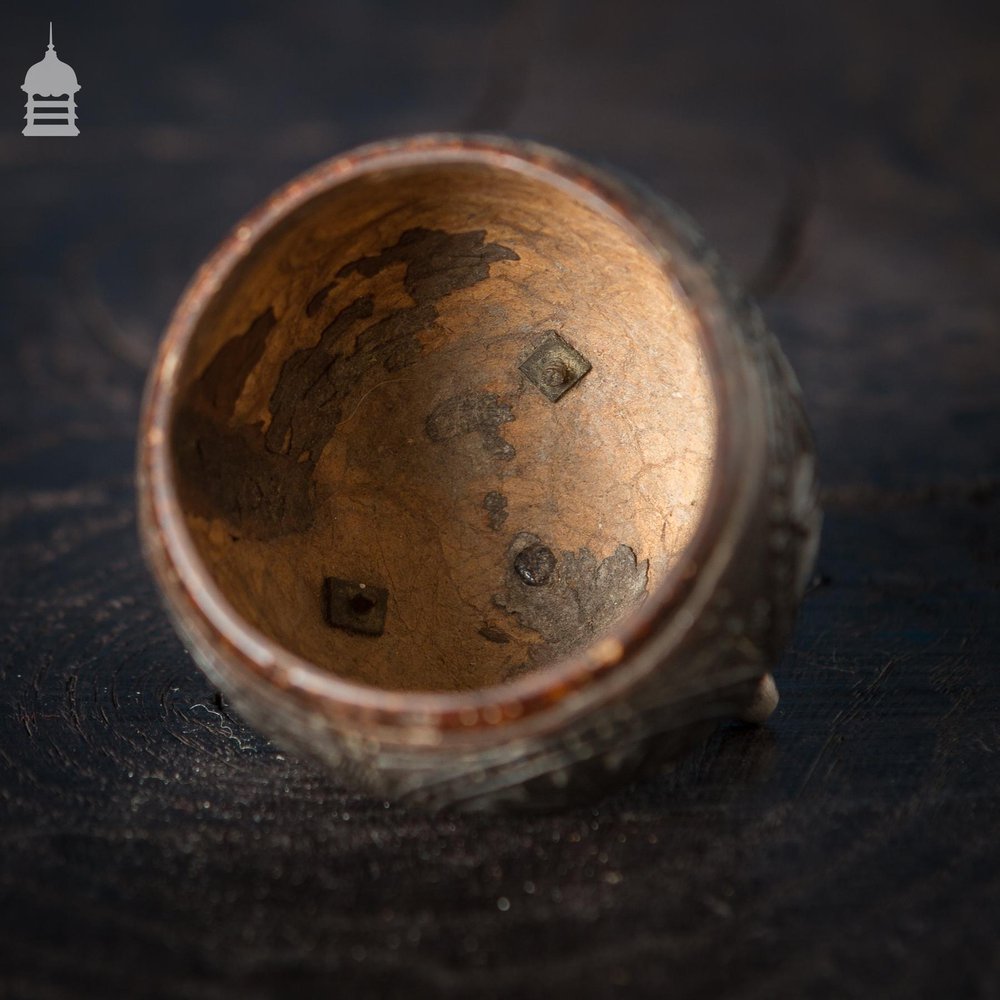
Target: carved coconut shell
466,469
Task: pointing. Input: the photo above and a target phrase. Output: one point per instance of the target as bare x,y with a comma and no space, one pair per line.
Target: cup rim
229,647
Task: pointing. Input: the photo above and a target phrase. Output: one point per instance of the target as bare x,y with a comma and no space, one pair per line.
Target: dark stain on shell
495,505
479,413
494,634
314,305
437,262
261,481
581,599
223,380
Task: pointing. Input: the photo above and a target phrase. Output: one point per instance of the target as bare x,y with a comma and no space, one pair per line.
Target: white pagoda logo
51,87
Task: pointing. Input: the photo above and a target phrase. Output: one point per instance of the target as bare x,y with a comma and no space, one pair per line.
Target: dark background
845,158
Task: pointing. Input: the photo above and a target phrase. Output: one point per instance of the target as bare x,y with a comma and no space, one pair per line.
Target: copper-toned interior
351,406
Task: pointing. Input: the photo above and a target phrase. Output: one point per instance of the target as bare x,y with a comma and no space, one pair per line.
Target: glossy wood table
845,161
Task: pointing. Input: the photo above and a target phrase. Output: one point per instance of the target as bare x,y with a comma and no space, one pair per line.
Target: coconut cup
466,469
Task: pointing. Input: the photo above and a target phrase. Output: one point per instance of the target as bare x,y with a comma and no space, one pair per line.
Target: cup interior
444,424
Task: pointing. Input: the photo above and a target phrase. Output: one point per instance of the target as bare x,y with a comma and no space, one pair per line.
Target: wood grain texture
154,846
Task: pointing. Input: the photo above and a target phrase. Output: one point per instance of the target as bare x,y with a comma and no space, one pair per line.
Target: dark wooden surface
844,157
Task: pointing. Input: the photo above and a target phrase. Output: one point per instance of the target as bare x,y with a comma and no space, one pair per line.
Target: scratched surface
845,160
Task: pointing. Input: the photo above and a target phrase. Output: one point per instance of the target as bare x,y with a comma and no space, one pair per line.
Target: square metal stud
554,367
356,607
